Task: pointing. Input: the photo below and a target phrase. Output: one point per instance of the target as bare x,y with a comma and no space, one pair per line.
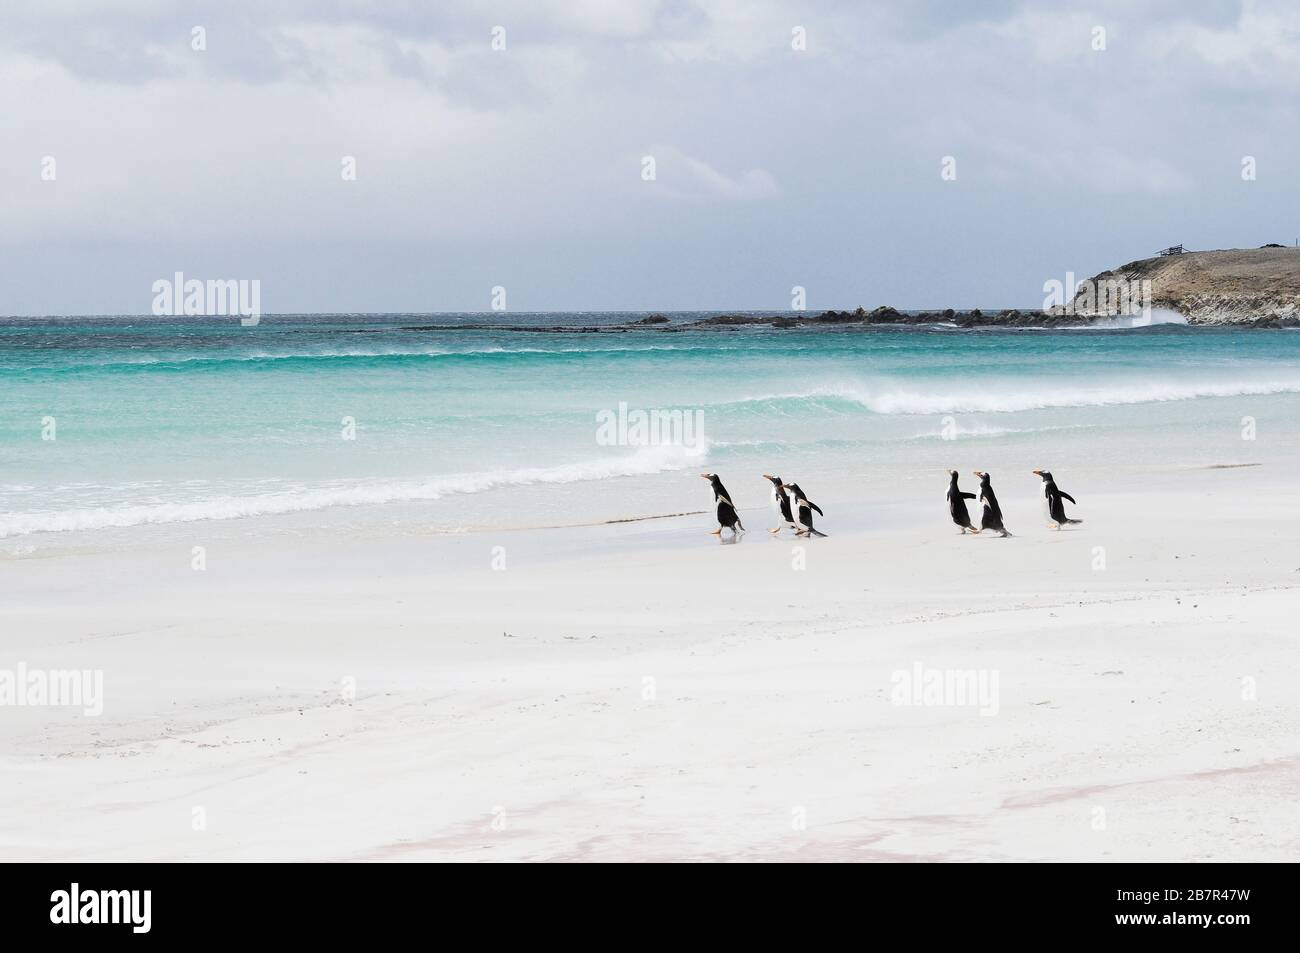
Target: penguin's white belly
776,503
1047,506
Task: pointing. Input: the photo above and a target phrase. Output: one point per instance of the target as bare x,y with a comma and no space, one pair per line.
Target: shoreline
306,527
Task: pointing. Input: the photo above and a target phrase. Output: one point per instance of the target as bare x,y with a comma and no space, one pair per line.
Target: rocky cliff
1258,286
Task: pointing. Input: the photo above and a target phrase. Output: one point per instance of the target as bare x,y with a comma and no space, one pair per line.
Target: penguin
1052,505
728,518
804,508
957,504
992,518
780,505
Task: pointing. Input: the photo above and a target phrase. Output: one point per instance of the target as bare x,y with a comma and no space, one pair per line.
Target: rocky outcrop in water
1252,287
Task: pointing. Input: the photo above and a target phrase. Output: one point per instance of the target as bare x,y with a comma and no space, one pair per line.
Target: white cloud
525,161
686,175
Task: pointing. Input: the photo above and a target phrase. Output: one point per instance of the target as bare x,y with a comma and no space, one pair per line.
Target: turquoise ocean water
198,425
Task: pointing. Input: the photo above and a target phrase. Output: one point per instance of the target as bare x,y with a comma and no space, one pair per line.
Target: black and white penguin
957,504
780,505
992,517
803,508
1052,505
727,516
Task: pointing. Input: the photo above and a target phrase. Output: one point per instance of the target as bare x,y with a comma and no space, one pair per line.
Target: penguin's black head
984,477
794,488
776,480
1045,474
953,474
711,477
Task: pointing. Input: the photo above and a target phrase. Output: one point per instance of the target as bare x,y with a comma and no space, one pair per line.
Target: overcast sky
522,167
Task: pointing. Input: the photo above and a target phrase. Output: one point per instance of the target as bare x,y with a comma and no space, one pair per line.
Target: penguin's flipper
816,507
968,496
1066,496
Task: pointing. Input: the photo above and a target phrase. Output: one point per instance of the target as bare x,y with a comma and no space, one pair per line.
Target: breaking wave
644,461
1007,397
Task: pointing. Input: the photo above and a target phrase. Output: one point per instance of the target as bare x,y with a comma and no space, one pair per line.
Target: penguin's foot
777,530
717,532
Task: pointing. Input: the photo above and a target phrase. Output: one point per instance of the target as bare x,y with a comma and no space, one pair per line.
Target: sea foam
1009,397
644,461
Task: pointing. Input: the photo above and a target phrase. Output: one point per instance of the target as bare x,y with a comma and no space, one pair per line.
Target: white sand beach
640,692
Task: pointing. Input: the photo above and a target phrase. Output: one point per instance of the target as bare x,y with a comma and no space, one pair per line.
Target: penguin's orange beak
767,476
706,476
1036,472
979,474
